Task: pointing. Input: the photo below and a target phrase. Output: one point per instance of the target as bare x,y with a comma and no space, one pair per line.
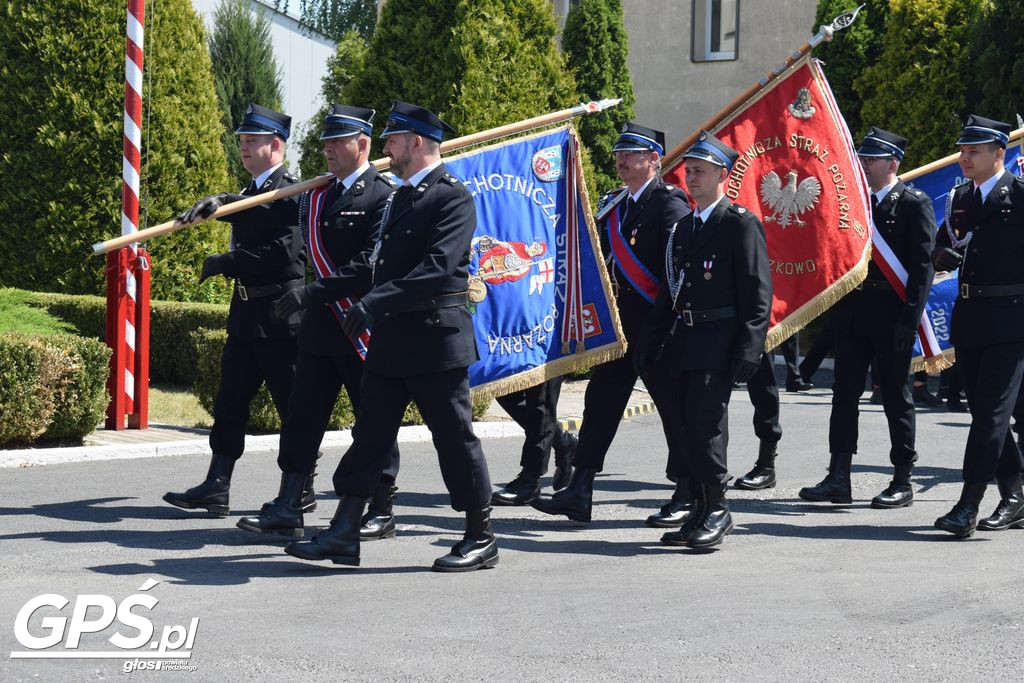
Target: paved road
798,592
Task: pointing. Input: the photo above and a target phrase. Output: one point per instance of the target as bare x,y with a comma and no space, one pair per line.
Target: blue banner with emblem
541,299
936,184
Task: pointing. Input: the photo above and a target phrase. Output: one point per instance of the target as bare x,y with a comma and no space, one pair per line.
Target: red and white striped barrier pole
130,352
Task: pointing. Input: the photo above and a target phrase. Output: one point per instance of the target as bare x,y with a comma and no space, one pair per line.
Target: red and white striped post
127,315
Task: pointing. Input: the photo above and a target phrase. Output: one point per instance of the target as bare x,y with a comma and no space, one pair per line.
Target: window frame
703,37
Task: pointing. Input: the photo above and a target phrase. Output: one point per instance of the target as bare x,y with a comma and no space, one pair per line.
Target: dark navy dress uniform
646,224
266,259
327,359
714,314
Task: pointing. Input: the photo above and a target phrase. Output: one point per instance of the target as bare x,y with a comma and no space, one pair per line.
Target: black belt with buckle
981,291
245,293
872,285
440,301
691,318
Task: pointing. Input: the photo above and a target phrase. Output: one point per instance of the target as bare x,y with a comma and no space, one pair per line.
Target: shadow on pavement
850,532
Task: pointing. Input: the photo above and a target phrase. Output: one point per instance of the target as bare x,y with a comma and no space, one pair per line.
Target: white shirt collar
706,213
987,186
350,180
420,175
881,194
262,177
636,195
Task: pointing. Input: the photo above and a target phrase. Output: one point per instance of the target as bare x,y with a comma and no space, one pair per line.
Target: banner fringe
943,361
550,370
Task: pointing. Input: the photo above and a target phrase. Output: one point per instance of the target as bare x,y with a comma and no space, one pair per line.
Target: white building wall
301,56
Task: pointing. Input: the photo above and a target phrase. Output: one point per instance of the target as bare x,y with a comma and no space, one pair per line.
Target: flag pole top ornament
598,106
827,31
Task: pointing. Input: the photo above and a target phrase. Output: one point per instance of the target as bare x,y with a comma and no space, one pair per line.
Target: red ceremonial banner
798,171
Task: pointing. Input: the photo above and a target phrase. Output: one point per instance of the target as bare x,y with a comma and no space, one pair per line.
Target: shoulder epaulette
387,179
450,179
738,209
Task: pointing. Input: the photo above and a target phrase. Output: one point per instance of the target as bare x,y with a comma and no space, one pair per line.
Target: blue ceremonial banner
541,298
939,308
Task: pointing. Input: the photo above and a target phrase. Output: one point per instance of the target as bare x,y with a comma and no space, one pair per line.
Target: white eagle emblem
790,201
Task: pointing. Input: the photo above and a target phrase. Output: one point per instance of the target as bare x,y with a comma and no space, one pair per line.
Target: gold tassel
943,361
542,373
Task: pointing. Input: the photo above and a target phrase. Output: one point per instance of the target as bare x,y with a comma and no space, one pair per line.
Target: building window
715,35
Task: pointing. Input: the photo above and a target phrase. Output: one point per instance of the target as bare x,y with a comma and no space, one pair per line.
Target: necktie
250,189
697,225
874,202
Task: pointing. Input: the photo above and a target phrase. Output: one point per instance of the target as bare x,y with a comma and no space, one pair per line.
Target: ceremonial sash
642,279
323,266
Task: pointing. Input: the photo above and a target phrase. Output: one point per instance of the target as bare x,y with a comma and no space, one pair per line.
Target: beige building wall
677,95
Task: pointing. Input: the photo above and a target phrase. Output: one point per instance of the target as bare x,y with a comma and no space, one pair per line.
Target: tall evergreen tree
997,87
342,66
596,47
918,86
477,63
852,51
244,71
62,76
335,18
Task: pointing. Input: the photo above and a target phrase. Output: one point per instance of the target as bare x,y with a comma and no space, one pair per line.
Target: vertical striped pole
130,171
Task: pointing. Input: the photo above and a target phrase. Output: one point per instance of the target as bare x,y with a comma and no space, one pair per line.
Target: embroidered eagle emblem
790,201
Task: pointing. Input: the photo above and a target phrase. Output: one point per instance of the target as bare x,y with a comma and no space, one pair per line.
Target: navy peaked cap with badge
342,121
979,130
879,142
710,148
637,138
411,118
262,121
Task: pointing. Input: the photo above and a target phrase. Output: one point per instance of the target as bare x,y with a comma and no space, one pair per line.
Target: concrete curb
574,423
253,444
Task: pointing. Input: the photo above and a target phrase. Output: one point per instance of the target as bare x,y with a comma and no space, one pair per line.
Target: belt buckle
242,294
965,293
687,316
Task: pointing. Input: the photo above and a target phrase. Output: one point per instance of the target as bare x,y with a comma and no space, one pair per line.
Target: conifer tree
62,76
997,88
918,86
596,48
244,71
335,18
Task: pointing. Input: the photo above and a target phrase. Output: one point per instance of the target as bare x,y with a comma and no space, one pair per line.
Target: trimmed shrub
83,402
62,70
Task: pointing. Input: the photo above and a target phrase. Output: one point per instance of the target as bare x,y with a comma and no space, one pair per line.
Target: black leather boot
677,510
962,519
522,490
283,515
834,488
763,474
1009,513
682,536
477,550
899,494
339,542
212,494
309,494
379,520
565,452
575,500
716,522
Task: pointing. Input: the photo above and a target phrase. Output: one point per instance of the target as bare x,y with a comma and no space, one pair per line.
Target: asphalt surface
798,592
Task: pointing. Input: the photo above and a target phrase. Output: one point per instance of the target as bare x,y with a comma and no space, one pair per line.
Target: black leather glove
291,302
211,266
743,370
903,340
357,320
640,362
946,259
205,207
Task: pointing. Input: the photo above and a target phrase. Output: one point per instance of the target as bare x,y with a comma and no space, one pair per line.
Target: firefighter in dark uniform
873,321
421,348
714,309
763,390
339,225
634,244
266,260
983,236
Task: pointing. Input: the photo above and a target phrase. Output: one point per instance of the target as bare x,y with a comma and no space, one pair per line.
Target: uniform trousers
703,402
318,381
443,401
992,378
244,367
763,390
535,409
854,353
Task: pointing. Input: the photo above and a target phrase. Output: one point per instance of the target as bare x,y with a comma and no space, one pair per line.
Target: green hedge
52,386
171,359
209,346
